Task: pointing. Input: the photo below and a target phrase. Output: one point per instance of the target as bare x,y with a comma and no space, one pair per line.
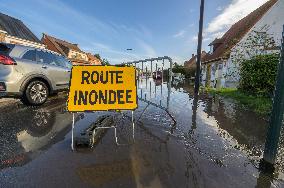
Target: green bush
190,72
258,74
178,70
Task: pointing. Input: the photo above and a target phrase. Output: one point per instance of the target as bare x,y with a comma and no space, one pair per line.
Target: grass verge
259,104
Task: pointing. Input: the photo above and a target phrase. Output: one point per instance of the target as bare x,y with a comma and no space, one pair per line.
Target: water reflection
219,129
240,127
30,130
194,113
144,166
216,143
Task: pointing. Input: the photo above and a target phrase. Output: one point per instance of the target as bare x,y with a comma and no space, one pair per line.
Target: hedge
258,75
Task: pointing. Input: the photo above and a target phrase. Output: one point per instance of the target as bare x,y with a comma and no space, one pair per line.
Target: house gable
192,62
16,28
69,50
236,33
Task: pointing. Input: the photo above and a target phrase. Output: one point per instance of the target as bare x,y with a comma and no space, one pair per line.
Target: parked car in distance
157,75
32,74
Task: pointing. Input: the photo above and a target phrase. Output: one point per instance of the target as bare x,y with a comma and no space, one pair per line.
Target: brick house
67,49
14,31
245,39
93,59
191,64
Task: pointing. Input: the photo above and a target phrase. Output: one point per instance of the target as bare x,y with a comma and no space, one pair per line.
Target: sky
151,28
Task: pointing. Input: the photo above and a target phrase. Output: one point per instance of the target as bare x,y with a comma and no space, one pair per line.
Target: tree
178,68
104,61
98,56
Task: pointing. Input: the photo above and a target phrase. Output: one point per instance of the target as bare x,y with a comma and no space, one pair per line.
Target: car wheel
36,93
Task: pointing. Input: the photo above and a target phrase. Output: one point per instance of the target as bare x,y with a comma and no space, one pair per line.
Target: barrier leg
73,125
133,125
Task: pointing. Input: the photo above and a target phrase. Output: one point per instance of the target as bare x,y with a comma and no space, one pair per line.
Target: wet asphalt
215,143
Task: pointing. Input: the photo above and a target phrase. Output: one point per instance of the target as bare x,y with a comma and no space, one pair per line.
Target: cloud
207,39
118,56
194,38
108,32
149,51
96,47
235,11
100,46
220,8
180,34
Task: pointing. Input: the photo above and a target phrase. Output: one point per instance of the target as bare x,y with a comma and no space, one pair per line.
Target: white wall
72,54
203,75
273,21
272,24
15,40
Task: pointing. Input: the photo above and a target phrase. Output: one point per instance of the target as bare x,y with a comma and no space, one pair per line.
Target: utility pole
198,62
276,117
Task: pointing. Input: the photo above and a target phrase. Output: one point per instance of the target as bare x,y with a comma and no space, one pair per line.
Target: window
47,58
211,49
63,62
30,55
6,48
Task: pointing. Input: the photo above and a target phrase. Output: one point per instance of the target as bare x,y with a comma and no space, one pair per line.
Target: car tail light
4,60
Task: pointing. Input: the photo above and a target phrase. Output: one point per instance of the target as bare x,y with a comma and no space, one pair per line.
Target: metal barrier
152,72
146,76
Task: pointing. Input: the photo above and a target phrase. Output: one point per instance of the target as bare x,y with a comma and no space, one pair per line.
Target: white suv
32,74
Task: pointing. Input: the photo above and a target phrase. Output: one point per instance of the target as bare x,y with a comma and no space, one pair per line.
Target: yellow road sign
101,88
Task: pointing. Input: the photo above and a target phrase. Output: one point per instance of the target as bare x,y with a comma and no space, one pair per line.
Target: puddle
214,143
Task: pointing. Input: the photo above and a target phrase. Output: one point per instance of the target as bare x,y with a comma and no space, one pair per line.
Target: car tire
36,93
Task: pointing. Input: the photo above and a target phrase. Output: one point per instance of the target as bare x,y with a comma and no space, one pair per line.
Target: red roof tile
61,46
237,32
192,62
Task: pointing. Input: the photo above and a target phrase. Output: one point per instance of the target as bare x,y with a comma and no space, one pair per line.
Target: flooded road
214,143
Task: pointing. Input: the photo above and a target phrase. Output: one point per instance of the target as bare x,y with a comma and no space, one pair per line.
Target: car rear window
30,55
5,48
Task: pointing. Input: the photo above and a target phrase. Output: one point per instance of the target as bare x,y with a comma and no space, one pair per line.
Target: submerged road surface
215,143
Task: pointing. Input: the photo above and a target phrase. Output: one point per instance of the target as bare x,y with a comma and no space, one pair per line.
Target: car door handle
44,67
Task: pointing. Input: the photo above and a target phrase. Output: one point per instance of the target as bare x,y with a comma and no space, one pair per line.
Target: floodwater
215,143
